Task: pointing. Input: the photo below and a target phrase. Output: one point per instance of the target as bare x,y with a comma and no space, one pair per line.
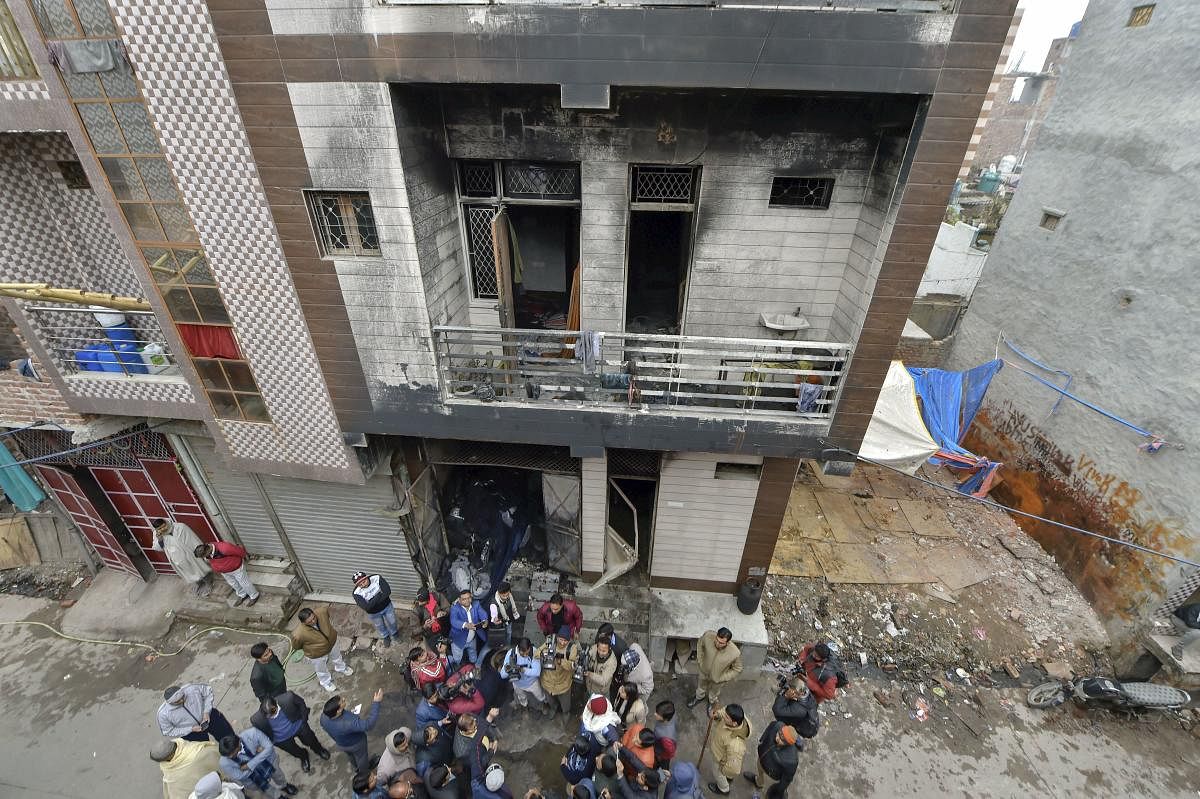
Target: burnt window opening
344,222
73,175
789,192
651,183
737,471
1139,16
531,181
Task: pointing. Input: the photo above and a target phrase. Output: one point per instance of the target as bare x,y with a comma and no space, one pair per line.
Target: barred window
344,222
788,192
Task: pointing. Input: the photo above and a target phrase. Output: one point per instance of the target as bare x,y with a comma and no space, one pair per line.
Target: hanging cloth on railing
17,484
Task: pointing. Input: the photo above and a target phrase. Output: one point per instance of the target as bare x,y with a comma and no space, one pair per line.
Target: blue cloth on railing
614,380
17,483
809,394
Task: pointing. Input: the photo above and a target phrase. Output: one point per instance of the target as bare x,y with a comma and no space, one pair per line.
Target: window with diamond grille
662,184
801,192
477,178
345,223
529,181
478,221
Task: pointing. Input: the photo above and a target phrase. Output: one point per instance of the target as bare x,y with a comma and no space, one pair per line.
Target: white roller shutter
339,529
240,501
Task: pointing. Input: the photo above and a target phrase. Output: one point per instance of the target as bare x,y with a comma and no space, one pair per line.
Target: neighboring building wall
1110,296
994,91
954,265
701,521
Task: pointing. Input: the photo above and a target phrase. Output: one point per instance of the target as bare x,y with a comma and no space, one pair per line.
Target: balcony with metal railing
89,342
650,373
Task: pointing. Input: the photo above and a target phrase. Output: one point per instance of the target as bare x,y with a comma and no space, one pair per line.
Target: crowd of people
470,666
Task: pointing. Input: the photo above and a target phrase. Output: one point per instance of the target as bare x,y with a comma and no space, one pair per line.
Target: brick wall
923,351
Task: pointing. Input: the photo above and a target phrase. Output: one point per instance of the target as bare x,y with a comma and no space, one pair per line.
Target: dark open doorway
545,250
660,245
631,512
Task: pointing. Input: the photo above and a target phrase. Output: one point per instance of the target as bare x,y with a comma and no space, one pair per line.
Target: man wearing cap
778,757
211,786
178,543
187,712
183,763
492,785
373,594
559,680
635,667
397,754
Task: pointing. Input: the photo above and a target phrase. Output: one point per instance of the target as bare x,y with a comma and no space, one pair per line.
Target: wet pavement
79,719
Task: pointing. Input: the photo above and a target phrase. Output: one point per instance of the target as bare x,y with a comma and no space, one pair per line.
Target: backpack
811,725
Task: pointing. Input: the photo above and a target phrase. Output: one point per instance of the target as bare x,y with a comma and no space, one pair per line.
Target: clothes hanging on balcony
81,55
587,350
209,341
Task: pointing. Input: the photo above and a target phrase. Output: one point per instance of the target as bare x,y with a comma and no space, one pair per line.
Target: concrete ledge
676,614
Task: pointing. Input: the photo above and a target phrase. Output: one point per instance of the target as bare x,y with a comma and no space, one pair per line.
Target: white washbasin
783,321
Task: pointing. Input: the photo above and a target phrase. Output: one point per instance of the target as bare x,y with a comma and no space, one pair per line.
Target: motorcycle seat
1153,695
1100,687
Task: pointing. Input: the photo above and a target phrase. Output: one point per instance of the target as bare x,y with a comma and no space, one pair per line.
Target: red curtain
209,341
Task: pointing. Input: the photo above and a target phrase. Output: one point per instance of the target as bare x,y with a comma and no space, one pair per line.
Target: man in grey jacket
187,712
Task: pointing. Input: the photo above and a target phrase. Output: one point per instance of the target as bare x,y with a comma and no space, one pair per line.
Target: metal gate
157,490
241,505
81,510
337,529
562,496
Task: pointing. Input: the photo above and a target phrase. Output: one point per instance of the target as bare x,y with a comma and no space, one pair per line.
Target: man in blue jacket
468,625
349,731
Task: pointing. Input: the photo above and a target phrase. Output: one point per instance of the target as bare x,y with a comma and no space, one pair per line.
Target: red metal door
155,491
83,513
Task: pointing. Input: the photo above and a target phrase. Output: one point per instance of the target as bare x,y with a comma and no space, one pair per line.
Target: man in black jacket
797,707
778,758
436,748
283,719
373,594
267,678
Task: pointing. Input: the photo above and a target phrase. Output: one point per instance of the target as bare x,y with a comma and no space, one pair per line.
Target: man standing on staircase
228,560
179,542
373,594
316,636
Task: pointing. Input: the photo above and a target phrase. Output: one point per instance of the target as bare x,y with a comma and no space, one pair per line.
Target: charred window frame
801,192
344,222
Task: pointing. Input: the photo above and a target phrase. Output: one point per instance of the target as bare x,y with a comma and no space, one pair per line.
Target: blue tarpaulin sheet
17,484
949,403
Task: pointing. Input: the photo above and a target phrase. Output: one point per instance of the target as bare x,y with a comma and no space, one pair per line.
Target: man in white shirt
504,611
178,542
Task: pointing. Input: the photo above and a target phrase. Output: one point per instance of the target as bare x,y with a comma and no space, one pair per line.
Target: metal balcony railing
15,63
729,376
81,344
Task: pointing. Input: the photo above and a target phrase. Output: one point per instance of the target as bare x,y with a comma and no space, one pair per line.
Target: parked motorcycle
1109,694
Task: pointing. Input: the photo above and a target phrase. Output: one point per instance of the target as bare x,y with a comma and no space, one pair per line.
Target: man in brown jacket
719,661
316,636
730,732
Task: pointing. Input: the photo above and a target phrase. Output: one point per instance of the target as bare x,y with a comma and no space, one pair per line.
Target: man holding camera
559,656
522,668
188,712
796,706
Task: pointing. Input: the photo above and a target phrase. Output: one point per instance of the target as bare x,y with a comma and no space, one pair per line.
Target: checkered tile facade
173,47
1182,593
23,90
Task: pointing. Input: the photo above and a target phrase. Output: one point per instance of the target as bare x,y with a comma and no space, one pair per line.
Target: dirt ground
1022,613
47,580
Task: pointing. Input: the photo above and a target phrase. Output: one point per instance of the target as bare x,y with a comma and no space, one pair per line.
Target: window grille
479,249
345,223
477,178
1140,15
662,184
801,192
529,181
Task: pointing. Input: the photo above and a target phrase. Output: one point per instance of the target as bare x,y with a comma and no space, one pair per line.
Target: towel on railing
587,349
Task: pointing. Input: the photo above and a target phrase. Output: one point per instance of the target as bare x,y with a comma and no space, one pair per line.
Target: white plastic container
107,318
155,358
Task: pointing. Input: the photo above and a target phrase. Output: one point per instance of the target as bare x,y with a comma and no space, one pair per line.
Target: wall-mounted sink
784,323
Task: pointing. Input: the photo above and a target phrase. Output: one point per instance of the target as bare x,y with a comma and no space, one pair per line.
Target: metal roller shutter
240,500
339,529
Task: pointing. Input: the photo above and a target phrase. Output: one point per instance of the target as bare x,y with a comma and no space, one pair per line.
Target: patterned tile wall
23,90
173,47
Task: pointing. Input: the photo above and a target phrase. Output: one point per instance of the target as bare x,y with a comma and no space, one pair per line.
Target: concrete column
595,498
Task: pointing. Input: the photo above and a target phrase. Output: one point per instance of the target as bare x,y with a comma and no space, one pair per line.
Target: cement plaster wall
1111,295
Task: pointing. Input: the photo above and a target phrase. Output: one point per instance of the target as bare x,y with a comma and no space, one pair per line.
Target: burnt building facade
632,262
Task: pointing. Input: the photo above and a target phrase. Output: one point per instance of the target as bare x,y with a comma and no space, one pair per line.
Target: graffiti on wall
1038,477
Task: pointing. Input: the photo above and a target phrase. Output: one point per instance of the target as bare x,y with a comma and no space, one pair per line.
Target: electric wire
993,504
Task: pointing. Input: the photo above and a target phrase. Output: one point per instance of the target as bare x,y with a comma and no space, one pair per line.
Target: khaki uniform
600,675
728,748
717,666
